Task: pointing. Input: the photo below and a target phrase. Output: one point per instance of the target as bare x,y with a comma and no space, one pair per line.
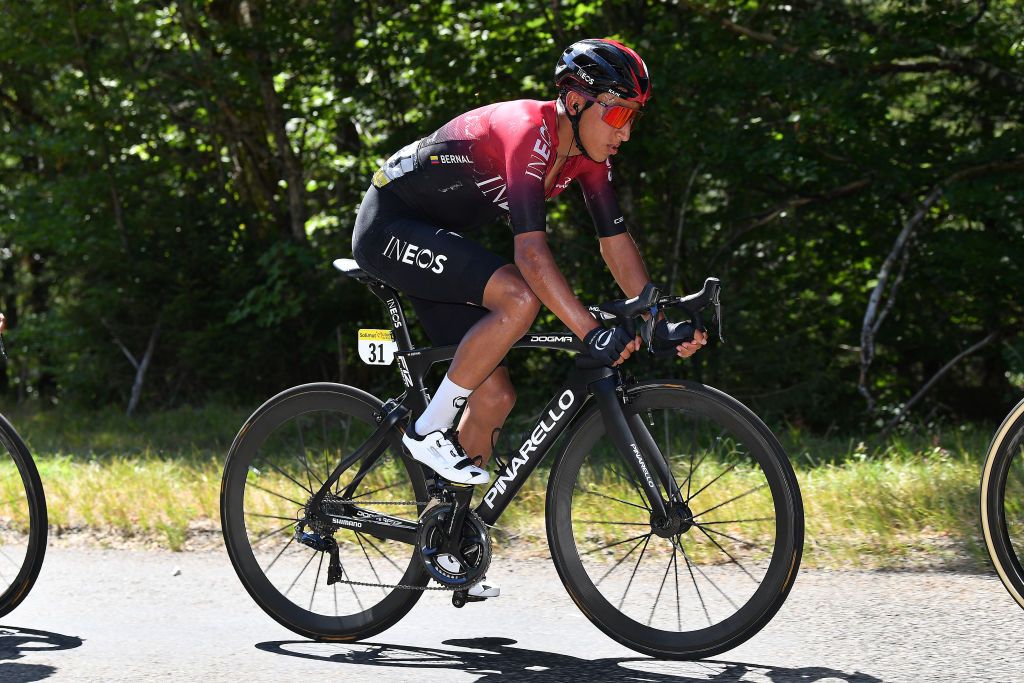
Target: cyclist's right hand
610,345
3,323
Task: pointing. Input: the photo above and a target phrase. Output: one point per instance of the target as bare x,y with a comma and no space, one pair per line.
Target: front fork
634,443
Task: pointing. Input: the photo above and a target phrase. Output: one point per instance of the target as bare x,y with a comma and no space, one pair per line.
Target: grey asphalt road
106,615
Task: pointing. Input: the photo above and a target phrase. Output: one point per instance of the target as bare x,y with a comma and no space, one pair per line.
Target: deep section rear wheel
279,459
1002,502
22,519
716,571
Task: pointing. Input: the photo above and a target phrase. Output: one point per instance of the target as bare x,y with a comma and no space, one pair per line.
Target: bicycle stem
622,437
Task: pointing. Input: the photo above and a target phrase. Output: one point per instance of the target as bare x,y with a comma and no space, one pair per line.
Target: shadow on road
497,660
16,642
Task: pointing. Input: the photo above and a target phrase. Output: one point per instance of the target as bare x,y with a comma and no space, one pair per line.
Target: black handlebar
650,301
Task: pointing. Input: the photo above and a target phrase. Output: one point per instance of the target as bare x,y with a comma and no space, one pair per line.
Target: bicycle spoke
612,545
316,581
736,521
693,468
675,569
355,594
702,488
739,540
379,552
382,488
601,521
323,431
291,479
713,584
636,487
731,558
301,571
731,500
257,514
274,493
271,533
305,462
370,562
621,560
601,495
689,567
344,446
635,567
266,570
660,589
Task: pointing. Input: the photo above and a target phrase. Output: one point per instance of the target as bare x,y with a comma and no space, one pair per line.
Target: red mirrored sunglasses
614,115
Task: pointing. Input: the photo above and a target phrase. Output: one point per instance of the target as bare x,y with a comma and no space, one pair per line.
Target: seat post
396,316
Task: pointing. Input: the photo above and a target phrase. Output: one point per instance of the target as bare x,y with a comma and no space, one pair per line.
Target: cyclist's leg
492,401
485,414
391,242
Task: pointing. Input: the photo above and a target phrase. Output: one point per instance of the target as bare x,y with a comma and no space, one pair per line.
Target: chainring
475,548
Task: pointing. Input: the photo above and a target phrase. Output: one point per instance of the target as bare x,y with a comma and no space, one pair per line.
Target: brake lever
716,299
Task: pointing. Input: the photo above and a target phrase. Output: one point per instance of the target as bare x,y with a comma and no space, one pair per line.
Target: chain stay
401,586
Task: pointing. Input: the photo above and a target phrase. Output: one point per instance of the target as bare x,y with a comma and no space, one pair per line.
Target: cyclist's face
600,139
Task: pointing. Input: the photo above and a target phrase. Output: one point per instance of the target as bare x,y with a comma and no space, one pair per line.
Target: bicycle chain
402,586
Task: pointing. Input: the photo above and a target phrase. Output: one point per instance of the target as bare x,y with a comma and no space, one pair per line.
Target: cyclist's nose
624,132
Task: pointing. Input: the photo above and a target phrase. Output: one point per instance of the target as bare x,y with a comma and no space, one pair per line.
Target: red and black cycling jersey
492,161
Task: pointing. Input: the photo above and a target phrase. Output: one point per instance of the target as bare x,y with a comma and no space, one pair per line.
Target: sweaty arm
537,265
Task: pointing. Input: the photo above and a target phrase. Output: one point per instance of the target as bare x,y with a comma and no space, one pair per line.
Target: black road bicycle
22,515
673,516
1002,502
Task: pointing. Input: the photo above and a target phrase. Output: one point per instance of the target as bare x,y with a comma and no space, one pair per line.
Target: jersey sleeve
599,195
526,145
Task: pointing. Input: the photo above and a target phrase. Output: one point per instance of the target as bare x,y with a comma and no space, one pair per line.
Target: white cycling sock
441,411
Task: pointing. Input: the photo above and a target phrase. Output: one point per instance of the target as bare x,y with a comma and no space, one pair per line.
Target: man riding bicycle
504,159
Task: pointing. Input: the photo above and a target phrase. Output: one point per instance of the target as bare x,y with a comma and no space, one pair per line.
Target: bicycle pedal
459,598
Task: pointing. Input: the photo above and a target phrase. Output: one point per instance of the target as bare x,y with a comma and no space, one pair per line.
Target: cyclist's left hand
687,349
631,347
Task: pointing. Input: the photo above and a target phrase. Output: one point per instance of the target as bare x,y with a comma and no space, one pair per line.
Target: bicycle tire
260,453
690,401
1003,468
33,505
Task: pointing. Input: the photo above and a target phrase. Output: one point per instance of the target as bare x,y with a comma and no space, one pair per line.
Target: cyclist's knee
508,292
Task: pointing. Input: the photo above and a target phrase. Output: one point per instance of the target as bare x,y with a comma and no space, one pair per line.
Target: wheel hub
679,520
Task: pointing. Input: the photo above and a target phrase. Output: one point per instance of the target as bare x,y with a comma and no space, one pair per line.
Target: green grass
911,501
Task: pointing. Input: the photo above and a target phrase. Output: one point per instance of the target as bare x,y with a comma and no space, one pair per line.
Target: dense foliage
178,176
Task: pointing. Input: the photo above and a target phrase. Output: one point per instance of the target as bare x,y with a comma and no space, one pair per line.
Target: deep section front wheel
1002,502
280,458
22,519
715,571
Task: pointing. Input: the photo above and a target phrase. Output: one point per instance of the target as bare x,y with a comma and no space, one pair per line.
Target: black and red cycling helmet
599,65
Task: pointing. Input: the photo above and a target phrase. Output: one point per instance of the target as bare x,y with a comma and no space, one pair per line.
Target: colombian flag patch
434,159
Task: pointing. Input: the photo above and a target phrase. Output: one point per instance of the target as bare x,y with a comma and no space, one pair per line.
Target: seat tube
622,437
400,329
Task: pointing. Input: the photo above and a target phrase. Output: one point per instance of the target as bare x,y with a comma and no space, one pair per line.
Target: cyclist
504,159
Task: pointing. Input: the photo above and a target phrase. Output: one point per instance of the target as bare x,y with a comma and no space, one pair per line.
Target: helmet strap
574,121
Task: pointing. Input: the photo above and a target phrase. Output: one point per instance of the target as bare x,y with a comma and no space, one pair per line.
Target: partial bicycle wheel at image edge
23,526
1002,502
717,573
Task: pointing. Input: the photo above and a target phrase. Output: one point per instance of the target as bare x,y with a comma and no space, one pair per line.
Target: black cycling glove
607,345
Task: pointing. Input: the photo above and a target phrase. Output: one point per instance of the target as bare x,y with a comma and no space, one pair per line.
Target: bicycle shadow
16,642
497,660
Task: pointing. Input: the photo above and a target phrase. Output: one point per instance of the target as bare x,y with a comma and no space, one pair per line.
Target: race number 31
377,347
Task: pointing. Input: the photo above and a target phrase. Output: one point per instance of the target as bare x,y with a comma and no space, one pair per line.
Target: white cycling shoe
484,590
442,453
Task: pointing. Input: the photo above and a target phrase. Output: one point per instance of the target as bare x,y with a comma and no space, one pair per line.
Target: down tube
558,413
